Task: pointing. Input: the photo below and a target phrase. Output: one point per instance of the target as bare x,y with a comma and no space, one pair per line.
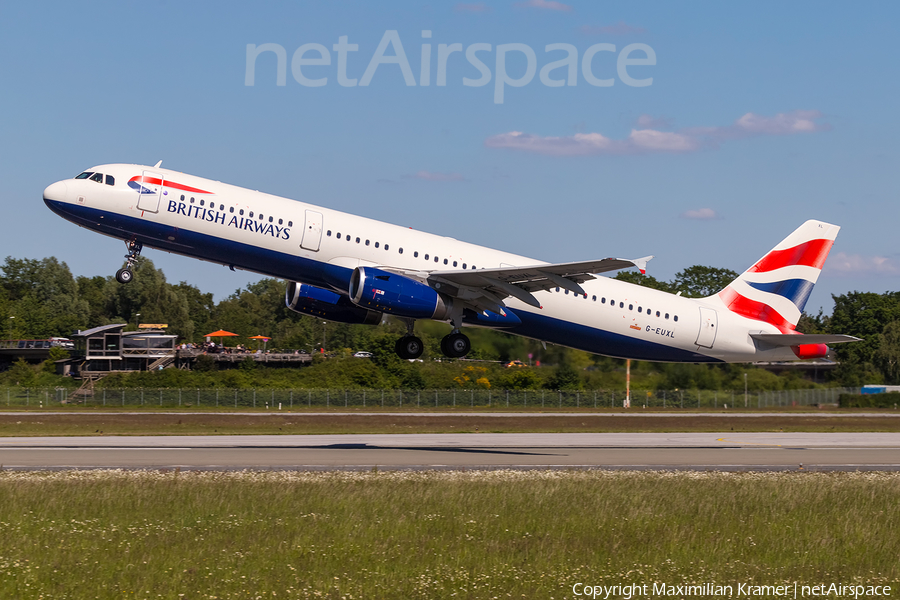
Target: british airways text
214,216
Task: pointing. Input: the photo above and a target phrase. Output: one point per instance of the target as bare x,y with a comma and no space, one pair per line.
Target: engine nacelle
397,295
316,302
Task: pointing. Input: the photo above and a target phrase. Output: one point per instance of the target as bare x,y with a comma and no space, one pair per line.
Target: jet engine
397,295
328,305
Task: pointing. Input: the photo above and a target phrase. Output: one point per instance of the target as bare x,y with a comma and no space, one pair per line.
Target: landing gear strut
126,274
456,344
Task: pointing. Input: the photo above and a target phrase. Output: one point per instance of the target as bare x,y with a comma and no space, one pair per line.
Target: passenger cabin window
290,223
98,177
110,180
240,212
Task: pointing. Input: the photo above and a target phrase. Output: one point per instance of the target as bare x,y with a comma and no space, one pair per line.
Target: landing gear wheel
455,345
124,276
409,347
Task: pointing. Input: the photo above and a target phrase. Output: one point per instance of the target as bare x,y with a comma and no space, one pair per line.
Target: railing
458,398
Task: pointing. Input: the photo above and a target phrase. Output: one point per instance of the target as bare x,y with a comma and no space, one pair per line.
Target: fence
338,398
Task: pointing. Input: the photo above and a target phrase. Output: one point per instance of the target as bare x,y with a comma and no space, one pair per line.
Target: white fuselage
278,237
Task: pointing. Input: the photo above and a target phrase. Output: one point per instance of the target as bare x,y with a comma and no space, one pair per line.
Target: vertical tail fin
776,288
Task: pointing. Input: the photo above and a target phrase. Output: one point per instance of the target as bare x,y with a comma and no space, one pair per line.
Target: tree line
41,299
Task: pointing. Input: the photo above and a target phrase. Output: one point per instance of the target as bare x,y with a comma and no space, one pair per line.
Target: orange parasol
220,333
258,338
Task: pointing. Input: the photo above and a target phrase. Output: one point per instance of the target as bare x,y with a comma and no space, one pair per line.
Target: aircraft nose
56,192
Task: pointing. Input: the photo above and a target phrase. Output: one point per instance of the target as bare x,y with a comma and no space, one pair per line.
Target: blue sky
758,117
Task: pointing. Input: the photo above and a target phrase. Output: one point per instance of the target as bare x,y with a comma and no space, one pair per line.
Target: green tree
887,355
644,280
565,378
43,297
157,301
700,282
864,315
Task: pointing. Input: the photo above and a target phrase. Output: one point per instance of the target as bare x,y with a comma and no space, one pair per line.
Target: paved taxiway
720,451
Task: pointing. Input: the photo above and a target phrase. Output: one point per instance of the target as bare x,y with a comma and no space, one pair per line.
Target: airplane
351,269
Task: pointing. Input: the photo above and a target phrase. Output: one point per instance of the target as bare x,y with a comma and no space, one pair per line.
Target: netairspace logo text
311,64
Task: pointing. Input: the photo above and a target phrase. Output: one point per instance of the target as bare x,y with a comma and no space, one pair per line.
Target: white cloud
651,140
859,265
429,176
546,5
701,214
585,144
620,28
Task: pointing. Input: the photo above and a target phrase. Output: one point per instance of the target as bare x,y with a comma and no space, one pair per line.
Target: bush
888,400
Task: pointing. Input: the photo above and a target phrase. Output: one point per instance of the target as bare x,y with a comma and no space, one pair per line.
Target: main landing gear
453,345
409,347
125,275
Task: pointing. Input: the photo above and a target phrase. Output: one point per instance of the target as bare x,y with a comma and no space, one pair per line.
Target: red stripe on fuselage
168,184
810,254
754,310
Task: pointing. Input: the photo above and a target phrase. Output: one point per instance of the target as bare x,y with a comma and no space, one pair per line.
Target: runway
705,451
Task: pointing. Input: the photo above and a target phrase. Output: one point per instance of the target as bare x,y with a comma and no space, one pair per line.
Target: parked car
363,354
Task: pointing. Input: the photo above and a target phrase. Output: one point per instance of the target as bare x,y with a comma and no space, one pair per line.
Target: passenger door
312,231
150,188
708,322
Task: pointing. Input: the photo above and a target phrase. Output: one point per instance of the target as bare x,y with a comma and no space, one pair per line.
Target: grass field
91,422
498,534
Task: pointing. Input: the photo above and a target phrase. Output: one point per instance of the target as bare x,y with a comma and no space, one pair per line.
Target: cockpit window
85,175
98,177
110,180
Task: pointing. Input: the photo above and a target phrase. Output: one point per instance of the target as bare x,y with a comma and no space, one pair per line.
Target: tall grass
477,534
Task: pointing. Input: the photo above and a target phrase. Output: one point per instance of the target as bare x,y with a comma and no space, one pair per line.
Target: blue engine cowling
314,301
396,295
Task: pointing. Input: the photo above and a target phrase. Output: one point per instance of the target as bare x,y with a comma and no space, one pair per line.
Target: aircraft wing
485,289
791,339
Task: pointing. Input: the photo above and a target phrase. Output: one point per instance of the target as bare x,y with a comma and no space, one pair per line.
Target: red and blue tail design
776,288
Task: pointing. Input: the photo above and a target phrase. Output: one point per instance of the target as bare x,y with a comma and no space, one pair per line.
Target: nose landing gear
125,275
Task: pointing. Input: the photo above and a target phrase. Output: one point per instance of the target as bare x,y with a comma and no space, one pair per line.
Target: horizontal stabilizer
790,339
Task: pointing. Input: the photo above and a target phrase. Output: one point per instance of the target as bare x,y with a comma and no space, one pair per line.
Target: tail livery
776,288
